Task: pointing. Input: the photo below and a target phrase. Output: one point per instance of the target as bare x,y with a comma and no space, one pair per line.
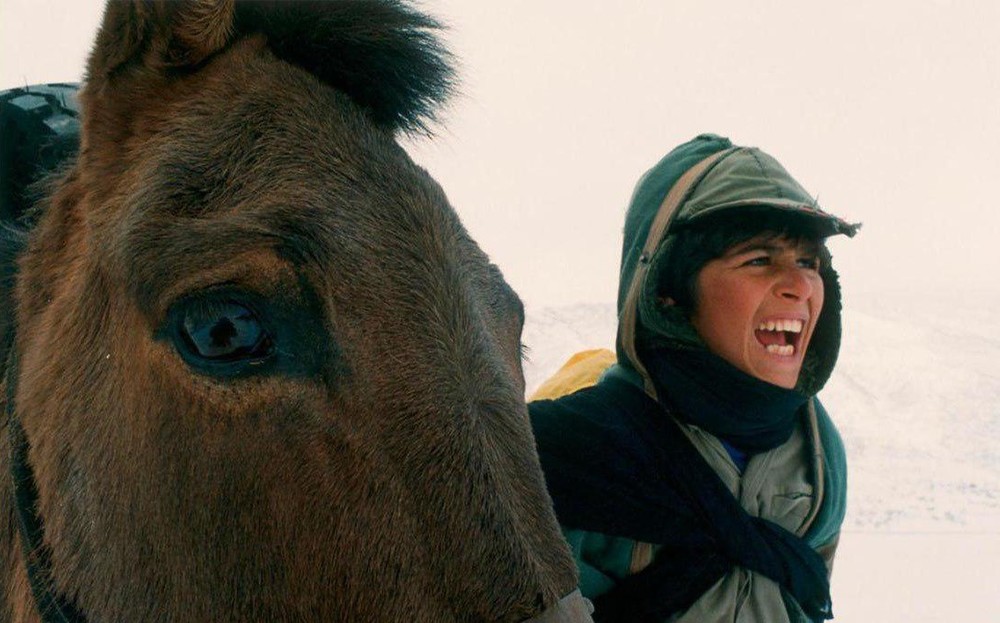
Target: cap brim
829,224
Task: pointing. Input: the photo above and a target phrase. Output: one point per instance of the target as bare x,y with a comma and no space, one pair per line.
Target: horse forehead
289,128
290,156
259,153
269,192
353,202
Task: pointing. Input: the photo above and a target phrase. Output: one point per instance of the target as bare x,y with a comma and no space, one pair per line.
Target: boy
700,479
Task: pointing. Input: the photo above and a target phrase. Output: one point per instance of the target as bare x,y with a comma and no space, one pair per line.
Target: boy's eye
811,263
759,260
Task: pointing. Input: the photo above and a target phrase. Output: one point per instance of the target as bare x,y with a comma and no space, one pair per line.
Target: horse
255,368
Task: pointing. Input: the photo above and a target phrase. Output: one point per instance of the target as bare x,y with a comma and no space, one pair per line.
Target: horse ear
383,54
160,34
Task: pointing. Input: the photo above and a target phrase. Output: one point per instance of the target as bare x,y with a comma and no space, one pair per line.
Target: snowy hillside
916,395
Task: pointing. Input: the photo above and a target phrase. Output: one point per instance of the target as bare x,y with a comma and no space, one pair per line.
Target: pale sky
889,111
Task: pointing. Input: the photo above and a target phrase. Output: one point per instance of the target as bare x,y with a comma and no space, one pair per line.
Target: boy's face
757,306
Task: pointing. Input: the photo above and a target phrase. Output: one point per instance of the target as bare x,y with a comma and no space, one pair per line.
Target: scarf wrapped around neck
705,390
617,463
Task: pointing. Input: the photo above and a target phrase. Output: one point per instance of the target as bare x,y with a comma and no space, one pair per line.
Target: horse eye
224,332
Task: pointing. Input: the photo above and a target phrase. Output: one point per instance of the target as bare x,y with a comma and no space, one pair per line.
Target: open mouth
780,337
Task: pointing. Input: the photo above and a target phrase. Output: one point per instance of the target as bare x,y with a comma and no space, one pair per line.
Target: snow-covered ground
916,395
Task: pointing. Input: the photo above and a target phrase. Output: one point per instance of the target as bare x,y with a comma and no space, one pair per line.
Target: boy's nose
793,283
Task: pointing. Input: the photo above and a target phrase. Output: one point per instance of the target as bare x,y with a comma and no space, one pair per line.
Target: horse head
259,370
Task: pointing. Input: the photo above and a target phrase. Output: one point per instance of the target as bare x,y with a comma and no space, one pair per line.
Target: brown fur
385,470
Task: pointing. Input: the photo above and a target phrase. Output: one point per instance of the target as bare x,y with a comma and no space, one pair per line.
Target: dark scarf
616,463
707,391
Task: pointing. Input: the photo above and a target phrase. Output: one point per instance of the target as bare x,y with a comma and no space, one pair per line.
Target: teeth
792,326
783,351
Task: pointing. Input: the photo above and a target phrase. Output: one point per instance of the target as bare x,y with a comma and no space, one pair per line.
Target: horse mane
382,54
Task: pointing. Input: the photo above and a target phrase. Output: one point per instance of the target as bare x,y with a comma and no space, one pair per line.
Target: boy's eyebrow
746,247
769,247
